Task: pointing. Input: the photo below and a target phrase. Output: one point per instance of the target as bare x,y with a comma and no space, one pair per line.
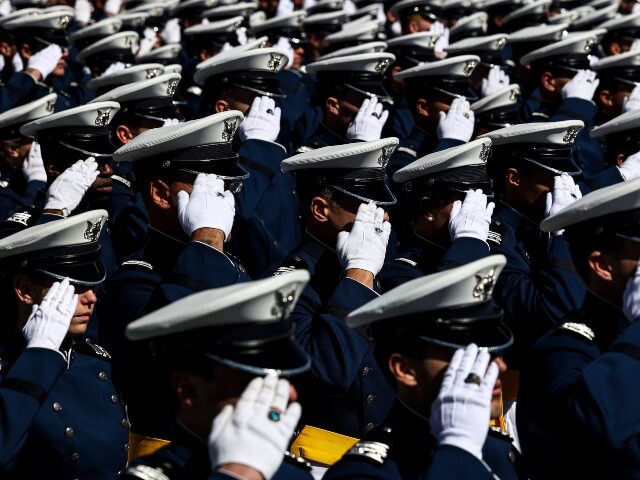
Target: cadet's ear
412,26
614,48
319,209
221,106
160,194
333,106
402,370
183,389
123,134
422,107
605,98
600,266
548,82
23,289
52,170
512,178
25,51
621,157
203,54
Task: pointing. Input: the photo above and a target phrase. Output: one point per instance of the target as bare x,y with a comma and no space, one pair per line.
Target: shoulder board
93,349
406,261
137,263
496,232
408,151
122,180
25,217
297,461
291,264
146,472
376,452
304,149
580,329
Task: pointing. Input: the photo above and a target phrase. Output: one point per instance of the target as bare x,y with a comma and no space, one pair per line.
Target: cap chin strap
363,199
261,92
261,372
384,99
554,170
456,346
86,152
71,280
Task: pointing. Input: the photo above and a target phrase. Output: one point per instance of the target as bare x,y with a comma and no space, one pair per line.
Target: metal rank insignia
274,61
103,117
572,133
172,86
484,285
93,230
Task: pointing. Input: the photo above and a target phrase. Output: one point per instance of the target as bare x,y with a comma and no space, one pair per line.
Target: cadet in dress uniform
416,15
577,408
267,225
531,168
186,173
449,217
622,30
498,110
143,105
337,187
132,74
22,173
62,414
352,94
417,328
100,55
211,345
618,75
621,137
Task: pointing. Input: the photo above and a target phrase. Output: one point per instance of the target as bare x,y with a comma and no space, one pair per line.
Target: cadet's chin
59,70
78,328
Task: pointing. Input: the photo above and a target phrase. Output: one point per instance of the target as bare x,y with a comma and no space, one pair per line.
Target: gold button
68,432
57,407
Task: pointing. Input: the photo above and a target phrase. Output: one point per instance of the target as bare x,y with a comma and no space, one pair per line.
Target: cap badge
93,230
572,133
138,21
283,304
469,67
433,41
484,285
64,21
103,117
274,62
130,41
171,88
229,130
383,160
589,45
514,94
152,73
500,43
382,65
485,153
50,106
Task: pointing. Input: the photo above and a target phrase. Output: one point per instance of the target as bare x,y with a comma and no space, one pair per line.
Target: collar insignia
484,285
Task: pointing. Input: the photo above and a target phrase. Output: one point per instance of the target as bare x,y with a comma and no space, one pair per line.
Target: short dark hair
586,238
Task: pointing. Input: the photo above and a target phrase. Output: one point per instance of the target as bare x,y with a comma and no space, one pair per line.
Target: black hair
599,239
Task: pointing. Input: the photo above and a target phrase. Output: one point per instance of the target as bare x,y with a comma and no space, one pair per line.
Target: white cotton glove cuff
45,60
365,246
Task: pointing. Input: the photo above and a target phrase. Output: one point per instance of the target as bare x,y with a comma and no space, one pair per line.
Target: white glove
443,39
208,206
83,11
171,31
33,166
262,121
147,42
458,123
66,191
365,246
18,64
285,7
631,297
49,322
5,8
564,193
583,85
348,7
368,122
636,43
45,60
112,7
496,79
285,45
636,8
472,217
241,34
461,413
114,68
632,102
247,434
170,122
630,168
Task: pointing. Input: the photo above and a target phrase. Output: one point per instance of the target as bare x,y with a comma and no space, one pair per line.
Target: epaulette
25,217
579,329
496,232
375,452
304,149
408,151
290,264
137,263
122,180
93,349
297,461
148,472
406,261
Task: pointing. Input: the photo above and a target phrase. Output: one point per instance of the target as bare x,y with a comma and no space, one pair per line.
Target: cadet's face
15,151
343,214
103,185
62,64
349,106
434,226
532,192
86,302
623,264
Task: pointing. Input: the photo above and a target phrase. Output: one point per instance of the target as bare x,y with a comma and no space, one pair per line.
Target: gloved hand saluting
33,166
368,122
496,79
365,246
49,322
472,217
583,85
208,206
630,168
631,297
262,121
255,433
458,123
460,415
564,193
66,191
45,60
632,102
